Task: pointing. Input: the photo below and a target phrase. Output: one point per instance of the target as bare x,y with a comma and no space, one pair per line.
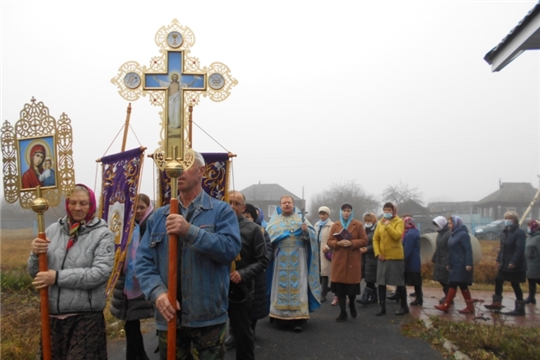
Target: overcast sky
378,92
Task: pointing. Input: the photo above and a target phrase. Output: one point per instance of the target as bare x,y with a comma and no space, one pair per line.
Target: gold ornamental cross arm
174,81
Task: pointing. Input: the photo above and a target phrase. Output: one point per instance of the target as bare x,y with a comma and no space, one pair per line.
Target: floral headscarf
409,224
534,225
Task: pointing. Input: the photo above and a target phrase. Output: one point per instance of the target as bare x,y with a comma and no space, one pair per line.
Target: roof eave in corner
518,41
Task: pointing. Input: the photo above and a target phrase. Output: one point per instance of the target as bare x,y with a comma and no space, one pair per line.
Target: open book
343,235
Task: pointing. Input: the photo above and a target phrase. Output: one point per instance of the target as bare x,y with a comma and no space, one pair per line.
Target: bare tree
337,194
400,193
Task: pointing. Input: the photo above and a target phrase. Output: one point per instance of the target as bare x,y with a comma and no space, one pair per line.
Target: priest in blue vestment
294,286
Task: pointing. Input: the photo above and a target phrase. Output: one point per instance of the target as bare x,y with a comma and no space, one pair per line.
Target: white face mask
368,224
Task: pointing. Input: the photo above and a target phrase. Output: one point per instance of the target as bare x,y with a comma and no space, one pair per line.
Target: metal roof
267,192
525,36
510,193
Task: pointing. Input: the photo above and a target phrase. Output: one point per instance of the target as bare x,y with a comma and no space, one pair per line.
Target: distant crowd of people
232,265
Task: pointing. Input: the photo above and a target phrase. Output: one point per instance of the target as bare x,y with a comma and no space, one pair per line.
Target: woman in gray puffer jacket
80,255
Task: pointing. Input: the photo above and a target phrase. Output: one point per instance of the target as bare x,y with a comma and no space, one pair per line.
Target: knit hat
325,209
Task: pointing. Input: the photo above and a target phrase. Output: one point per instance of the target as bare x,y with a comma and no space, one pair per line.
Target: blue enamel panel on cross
174,74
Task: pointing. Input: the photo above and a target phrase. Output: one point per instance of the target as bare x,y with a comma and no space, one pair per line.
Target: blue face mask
528,230
387,215
508,222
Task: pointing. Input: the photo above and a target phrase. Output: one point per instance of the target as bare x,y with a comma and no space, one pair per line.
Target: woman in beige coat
347,259
322,227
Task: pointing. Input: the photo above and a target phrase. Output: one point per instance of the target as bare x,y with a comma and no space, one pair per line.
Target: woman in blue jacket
460,265
411,247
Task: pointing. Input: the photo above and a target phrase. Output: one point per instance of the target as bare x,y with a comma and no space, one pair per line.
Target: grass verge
479,339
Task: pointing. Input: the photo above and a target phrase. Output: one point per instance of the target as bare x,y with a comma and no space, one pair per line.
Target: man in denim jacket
209,240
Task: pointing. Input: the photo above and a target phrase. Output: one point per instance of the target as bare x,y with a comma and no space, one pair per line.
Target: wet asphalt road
366,337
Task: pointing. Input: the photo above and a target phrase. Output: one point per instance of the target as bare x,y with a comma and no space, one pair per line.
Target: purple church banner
215,180
120,185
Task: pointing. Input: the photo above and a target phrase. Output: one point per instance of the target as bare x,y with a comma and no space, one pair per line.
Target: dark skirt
413,279
391,272
78,337
513,277
340,289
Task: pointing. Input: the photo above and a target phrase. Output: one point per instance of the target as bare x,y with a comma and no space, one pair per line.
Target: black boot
364,299
419,301
519,310
374,299
352,307
532,292
229,342
382,300
324,287
496,304
343,307
404,309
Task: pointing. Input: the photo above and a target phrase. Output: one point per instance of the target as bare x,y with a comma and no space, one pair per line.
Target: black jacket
440,256
512,249
253,259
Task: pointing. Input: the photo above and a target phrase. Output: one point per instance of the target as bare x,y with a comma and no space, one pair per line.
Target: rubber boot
496,303
342,306
468,300
419,301
404,309
364,299
519,309
324,287
532,292
382,300
448,302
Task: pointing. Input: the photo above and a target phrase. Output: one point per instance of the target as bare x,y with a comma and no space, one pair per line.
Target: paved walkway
368,336
433,295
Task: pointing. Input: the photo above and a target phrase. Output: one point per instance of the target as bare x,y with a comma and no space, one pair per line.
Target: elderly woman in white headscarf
440,256
322,227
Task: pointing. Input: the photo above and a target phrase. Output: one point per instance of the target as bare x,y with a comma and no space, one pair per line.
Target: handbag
328,255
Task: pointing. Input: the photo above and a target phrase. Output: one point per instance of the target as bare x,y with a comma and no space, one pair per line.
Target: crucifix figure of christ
303,212
175,81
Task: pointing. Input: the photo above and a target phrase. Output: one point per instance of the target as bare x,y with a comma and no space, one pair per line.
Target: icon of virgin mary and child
40,171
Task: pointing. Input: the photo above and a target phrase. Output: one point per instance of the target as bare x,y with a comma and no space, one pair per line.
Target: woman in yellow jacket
388,249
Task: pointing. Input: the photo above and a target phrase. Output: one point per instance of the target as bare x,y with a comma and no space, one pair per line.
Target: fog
376,92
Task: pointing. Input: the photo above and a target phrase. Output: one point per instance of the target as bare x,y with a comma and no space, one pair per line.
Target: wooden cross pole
174,81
